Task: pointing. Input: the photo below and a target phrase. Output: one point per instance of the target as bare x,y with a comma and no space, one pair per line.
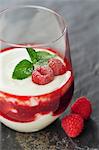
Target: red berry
57,66
73,125
42,75
82,106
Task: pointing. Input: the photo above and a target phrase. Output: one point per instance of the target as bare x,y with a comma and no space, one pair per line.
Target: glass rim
39,7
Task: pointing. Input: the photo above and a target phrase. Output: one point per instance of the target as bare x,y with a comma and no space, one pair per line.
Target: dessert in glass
36,78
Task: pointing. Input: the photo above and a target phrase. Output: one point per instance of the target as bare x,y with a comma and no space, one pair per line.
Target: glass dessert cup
26,106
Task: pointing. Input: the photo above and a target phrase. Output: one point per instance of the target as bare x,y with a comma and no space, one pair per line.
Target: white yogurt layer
32,126
8,61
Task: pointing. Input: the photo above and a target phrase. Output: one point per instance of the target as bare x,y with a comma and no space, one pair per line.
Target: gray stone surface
83,20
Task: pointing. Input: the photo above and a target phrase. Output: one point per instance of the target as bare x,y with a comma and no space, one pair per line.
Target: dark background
82,17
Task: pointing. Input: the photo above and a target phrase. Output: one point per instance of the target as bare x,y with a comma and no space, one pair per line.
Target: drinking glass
24,105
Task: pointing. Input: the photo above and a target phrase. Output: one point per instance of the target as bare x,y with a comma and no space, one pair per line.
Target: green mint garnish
41,63
33,54
42,55
22,70
39,55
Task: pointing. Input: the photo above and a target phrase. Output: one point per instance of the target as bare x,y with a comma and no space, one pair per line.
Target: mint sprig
39,55
24,68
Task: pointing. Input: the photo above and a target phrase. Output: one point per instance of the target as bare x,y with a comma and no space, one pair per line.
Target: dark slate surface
83,20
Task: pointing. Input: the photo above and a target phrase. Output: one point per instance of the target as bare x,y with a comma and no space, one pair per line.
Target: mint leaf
33,54
42,55
39,55
23,70
43,58
41,63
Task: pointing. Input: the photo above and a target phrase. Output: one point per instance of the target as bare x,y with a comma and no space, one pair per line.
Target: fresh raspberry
73,125
82,106
42,75
57,66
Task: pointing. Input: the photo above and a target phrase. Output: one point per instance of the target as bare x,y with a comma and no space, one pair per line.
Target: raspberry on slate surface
82,106
73,125
42,75
57,66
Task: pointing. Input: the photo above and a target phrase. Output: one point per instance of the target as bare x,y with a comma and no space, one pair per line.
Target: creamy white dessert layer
32,126
8,60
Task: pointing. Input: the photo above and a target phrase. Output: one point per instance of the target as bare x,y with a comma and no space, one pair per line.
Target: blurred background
82,18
